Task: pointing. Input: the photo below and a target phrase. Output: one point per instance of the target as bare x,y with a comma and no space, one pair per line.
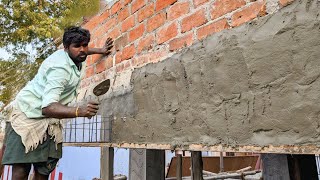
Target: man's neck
79,65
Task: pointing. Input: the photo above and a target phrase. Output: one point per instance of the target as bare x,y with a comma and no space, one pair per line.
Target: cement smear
257,84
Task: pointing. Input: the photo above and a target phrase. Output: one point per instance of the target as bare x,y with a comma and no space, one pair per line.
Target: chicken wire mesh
84,130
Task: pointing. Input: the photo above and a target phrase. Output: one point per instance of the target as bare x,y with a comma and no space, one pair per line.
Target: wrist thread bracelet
77,111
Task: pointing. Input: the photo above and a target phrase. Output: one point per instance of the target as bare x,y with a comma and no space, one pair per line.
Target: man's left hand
106,49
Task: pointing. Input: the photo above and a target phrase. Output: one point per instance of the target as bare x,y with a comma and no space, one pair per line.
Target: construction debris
228,176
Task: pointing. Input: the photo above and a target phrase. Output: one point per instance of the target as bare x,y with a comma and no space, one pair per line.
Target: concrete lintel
282,149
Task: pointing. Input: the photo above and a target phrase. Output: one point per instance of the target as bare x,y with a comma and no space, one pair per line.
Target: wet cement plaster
257,84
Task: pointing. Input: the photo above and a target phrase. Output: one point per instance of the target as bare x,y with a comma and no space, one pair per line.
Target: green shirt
57,80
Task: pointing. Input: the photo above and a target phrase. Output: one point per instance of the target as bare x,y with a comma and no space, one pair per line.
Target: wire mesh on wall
84,130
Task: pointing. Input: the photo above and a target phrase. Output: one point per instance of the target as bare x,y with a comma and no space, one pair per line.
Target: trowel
101,88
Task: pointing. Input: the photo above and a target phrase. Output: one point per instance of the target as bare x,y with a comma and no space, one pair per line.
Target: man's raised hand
106,49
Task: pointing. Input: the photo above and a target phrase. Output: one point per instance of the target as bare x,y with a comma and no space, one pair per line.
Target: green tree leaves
30,20
33,23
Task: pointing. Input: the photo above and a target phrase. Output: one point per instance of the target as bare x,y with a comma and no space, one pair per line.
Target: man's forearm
95,51
57,110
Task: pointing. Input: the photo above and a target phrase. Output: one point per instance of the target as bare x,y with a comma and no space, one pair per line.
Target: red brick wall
147,31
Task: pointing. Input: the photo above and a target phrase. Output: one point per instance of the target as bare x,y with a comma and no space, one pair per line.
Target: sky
4,54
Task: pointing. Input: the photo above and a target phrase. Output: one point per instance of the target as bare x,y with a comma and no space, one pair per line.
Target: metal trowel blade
102,88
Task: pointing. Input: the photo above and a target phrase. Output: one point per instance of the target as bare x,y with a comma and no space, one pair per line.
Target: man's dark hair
75,34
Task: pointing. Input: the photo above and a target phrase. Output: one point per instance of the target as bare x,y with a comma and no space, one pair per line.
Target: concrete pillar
106,161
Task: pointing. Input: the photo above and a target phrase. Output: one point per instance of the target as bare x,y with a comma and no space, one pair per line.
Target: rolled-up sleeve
57,79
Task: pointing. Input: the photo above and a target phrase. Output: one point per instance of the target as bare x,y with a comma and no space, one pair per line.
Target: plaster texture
257,84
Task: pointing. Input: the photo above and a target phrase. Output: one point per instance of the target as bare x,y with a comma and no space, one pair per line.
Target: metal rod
104,130
75,130
89,130
70,131
83,119
96,128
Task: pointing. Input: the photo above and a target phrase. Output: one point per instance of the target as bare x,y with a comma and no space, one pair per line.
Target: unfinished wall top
237,75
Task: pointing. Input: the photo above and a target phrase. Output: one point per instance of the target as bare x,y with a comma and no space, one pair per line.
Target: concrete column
106,161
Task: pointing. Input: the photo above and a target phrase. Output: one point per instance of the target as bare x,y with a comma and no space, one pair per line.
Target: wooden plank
302,167
106,161
275,167
196,165
155,168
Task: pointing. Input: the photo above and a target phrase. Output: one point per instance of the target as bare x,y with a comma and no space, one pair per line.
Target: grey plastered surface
257,84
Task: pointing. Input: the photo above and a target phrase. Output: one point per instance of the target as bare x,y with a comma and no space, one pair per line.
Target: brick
283,3
126,64
110,24
89,61
84,83
89,71
212,28
95,57
127,24
161,4
167,33
136,5
123,14
92,44
118,57
143,59
181,42
196,19
121,42
109,62
99,77
100,32
101,41
115,8
197,3
222,7
156,56
92,24
114,33
125,2
119,67
254,10
178,9
104,16
146,12
101,66
156,21
136,33
97,33
146,43
128,52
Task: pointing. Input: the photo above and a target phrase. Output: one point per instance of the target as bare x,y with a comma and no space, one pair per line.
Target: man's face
78,52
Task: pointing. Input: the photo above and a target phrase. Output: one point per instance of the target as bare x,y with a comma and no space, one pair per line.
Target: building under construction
233,76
